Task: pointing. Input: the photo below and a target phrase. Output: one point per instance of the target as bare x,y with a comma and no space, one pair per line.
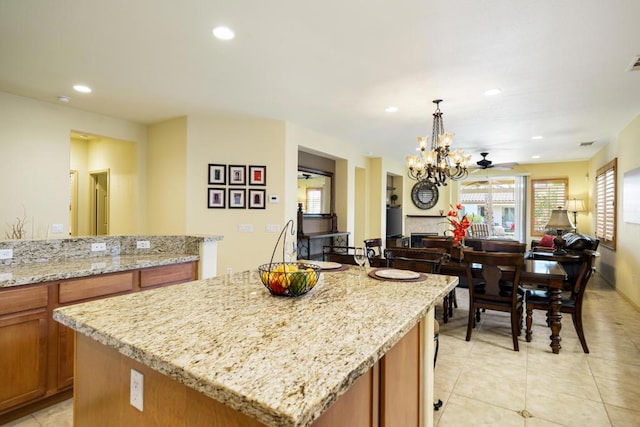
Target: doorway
73,202
99,202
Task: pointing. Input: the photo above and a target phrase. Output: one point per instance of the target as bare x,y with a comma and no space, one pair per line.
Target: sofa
575,243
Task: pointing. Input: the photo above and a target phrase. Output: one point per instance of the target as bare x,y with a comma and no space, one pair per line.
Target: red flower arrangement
460,225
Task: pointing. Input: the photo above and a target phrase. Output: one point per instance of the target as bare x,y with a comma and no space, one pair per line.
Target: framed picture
237,175
257,175
256,199
215,198
237,198
217,174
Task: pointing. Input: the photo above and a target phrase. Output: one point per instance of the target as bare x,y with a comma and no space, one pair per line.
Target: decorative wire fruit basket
289,279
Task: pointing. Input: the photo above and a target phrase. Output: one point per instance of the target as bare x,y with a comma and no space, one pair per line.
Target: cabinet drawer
22,299
166,275
91,287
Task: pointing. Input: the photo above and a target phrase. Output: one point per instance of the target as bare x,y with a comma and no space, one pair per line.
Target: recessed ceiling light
391,109
82,88
535,157
537,137
63,98
223,33
492,92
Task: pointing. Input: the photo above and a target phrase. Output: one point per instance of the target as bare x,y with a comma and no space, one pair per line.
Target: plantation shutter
547,195
314,200
606,204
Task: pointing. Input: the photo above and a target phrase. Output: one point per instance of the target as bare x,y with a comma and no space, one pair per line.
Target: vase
457,253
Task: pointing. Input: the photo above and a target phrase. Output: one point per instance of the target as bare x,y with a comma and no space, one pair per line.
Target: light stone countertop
40,272
282,361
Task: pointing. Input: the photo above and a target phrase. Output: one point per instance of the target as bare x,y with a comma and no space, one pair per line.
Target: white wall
35,153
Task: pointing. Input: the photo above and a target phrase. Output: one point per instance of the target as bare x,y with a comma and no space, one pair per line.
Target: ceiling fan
486,164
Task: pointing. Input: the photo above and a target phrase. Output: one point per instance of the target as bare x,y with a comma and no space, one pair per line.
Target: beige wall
35,153
166,194
239,141
622,265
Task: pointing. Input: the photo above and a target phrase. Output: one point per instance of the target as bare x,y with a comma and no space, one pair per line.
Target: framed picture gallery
216,198
237,175
257,175
256,199
237,198
217,174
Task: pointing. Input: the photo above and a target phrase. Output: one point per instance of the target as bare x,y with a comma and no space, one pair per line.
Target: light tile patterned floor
483,382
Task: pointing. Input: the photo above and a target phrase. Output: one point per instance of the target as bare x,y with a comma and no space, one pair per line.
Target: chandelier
437,163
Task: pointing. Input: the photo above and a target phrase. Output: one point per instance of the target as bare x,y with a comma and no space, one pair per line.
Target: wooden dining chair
429,262
495,267
375,259
341,254
451,299
503,246
571,304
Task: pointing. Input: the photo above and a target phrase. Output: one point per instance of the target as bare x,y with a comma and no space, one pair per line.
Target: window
314,200
497,202
606,204
546,195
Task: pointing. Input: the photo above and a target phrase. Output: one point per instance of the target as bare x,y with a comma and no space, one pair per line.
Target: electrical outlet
137,390
245,228
272,228
6,253
95,247
143,244
56,228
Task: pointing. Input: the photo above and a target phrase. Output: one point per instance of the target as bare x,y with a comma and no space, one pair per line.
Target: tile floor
483,382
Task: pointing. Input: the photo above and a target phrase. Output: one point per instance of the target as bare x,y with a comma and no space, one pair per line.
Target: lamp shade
575,205
559,220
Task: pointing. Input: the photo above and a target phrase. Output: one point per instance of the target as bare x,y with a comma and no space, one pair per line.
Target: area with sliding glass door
498,202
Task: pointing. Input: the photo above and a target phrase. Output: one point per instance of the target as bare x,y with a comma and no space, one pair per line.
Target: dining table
544,273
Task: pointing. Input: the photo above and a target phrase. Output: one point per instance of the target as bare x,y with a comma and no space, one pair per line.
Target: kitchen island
223,351
37,276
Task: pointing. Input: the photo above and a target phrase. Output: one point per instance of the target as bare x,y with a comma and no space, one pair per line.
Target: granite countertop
282,361
39,272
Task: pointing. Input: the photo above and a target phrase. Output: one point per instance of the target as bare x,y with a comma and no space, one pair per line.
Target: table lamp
560,222
575,205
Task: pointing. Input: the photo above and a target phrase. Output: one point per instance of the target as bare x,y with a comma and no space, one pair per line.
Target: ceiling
333,67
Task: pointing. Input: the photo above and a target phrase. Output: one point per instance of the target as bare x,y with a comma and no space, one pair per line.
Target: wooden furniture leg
556,316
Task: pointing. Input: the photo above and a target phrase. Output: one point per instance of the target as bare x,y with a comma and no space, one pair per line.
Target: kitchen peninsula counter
276,360
27,274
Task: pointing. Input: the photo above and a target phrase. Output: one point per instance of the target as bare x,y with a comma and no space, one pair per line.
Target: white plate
325,265
391,273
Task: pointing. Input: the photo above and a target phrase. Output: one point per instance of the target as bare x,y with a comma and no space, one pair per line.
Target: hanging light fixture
437,162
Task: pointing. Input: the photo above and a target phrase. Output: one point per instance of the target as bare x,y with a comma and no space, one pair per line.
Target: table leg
556,317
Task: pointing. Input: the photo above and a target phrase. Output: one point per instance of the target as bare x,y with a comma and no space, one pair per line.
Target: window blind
314,200
606,204
547,195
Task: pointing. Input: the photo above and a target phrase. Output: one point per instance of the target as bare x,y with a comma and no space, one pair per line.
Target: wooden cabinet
389,394
23,340
168,274
36,352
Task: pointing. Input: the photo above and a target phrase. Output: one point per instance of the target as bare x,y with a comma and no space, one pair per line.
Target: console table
308,244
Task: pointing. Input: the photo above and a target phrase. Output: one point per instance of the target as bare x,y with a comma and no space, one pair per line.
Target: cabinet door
66,349
401,382
23,369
